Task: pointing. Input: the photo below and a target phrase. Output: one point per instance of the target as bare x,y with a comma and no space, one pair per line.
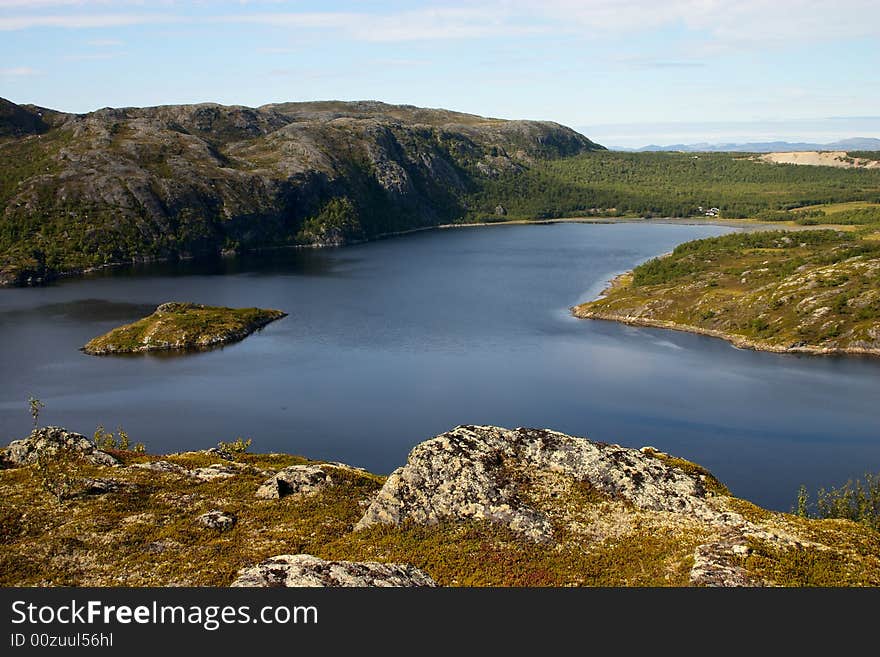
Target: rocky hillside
115,185
478,505
806,292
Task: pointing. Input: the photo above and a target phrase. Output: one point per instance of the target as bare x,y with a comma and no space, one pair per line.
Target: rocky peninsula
177,325
475,506
815,292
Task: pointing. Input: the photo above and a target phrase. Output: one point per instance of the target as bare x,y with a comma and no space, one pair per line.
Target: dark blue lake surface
392,342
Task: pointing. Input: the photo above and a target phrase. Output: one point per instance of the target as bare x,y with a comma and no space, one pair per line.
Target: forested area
668,184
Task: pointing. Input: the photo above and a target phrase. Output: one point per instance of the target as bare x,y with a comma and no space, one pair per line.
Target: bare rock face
105,485
299,479
478,472
219,520
162,466
211,472
215,471
295,570
718,564
49,440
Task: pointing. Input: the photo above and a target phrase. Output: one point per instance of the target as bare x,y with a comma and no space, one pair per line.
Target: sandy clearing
820,159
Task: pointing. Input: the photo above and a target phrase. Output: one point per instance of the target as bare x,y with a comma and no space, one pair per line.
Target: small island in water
177,325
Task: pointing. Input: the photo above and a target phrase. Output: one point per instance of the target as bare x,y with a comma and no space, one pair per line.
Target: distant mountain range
854,144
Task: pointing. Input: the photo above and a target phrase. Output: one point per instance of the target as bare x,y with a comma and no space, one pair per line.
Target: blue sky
625,72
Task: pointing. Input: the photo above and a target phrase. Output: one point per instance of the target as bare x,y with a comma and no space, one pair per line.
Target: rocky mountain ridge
128,184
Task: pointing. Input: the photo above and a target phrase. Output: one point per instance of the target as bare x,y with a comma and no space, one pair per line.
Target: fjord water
392,342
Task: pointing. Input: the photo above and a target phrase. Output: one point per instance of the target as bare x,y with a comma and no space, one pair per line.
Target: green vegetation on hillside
855,500
800,291
842,214
866,155
669,184
183,326
335,222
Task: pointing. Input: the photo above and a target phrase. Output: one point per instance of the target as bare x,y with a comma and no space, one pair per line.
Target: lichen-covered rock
294,570
477,472
720,564
222,521
49,440
104,485
299,479
162,466
224,454
215,471
294,479
207,473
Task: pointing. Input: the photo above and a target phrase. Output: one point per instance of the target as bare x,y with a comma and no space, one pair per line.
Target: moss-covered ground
146,533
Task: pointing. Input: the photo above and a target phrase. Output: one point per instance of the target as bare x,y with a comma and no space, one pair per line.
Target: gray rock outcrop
300,479
294,479
222,521
304,570
105,485
162,466
478,472
214,471
719,564
49,440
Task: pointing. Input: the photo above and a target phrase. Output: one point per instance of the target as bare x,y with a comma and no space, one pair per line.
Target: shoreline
673,221
742,224
738,341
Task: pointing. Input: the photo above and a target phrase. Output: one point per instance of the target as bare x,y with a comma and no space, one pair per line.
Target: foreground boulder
480,473
293,570
50,440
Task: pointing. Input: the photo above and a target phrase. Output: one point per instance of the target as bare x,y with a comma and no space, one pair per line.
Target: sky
624,72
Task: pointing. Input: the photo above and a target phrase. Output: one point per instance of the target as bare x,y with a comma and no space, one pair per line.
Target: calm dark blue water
392,342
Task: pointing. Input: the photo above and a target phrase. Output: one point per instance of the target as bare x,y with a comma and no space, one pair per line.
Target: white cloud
640,62
719,24
415,25
733,21
41,4
279,50
86,57
106,43
18,72
8,23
